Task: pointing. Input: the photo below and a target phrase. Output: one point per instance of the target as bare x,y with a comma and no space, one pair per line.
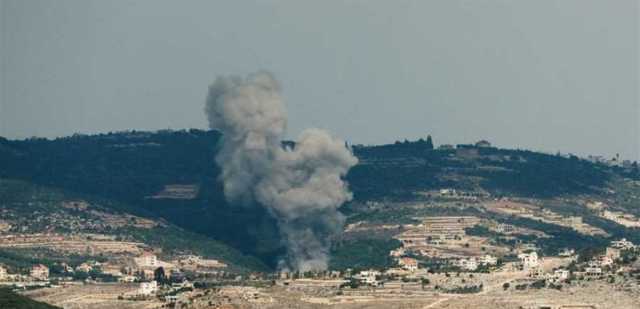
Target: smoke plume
301,186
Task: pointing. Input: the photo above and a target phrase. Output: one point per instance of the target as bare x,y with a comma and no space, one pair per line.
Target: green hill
39,209
125,169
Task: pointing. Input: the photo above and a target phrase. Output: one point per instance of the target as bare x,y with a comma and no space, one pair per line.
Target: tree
160,276
429,143
539,284
423,282
80,275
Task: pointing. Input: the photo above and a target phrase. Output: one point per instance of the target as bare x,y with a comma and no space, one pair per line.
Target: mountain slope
131,170
33,209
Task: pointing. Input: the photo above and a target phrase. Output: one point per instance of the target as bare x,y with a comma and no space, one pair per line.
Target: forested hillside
129,168
39,209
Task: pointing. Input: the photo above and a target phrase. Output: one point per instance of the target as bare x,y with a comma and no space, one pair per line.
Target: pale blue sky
543,75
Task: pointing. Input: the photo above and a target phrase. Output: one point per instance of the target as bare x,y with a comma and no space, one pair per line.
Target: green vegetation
21,260
464,289
410,166
616,230
123,166
429,142
498,238
540,175
119,171
391,214
538,284
362,254
562,237
482,231
11,300
27,200
626,195
122,169
172,239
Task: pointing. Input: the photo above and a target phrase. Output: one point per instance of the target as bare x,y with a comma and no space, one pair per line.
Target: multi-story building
148,288
467,264
528,260
369,277
147,259
561,274
593,271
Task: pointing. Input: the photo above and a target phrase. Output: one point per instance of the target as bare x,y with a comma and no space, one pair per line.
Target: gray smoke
301,186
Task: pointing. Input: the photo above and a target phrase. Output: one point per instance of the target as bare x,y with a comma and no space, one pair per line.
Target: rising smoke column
301,186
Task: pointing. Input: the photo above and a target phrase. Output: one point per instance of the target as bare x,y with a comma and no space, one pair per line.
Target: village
451,271
131,275
437,262
440,258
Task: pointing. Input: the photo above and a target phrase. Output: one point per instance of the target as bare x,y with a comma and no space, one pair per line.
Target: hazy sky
543,75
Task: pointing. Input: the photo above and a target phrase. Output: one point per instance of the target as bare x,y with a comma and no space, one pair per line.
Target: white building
127,279
505,228
369,277
467,264
447,191
623,244
528,260
148,288
561,274
567,252
488,260
593,271
39,272
147,260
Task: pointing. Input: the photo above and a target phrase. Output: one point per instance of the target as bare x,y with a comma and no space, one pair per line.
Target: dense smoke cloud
301,186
